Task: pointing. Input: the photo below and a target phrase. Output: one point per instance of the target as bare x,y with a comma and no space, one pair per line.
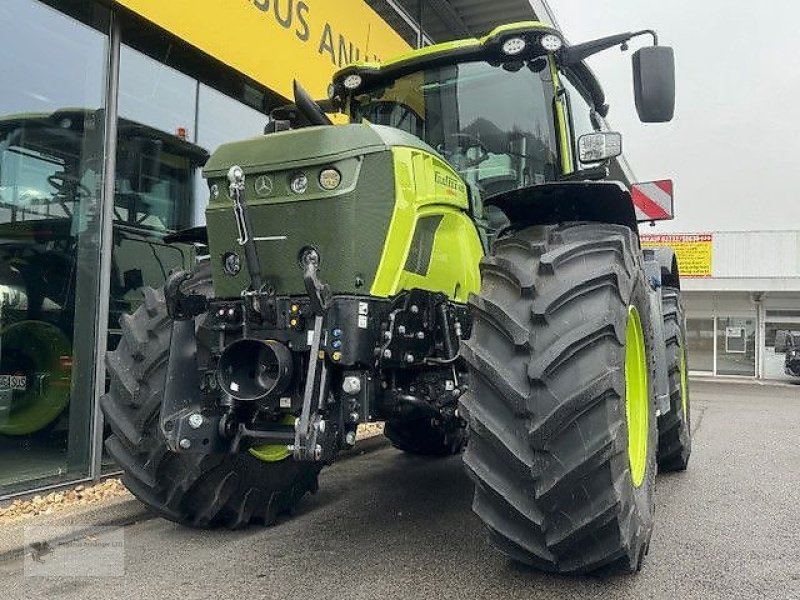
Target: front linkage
322,362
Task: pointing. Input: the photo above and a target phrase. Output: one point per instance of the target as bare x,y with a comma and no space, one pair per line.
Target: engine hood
308,146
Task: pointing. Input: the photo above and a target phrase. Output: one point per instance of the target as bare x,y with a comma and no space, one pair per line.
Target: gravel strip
86,495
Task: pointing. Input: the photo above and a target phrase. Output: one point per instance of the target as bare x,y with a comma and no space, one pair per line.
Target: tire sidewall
644,495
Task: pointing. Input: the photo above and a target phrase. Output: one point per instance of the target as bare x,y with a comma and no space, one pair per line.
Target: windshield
493,124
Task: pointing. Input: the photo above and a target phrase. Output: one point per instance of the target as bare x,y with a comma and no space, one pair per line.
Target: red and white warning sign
653,200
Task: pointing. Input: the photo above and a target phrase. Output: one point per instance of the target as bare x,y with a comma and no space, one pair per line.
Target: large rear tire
561,410
192,489
421,436
674,427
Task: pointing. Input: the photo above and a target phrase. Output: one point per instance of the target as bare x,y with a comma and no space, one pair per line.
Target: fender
551,203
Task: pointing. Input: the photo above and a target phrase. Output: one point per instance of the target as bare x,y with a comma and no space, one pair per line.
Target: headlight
352,82
299,183
329,179
513,46
231,263
551,42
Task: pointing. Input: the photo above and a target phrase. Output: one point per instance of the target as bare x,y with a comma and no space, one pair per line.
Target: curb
120,512
701,379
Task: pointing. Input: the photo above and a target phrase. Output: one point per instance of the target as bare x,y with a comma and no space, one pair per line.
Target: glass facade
723,345
700,344
52,115
778,321
175,107
736,346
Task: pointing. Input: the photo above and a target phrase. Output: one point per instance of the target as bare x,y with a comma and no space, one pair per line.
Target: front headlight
329,179
299,183
551,42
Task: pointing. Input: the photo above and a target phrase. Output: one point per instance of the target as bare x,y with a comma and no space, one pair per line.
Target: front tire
197,490
562,445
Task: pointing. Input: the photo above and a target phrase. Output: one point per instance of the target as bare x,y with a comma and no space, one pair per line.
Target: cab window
579,112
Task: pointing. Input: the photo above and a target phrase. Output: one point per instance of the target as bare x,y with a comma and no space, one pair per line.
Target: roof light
352,82
551,42
513,46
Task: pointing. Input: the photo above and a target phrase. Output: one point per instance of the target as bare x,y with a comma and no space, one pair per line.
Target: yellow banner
276,41
694,251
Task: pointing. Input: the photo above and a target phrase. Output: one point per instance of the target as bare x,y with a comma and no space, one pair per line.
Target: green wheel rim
51,353
684,382
273,452
636,396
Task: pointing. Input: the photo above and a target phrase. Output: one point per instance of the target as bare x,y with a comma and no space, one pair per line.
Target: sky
728,149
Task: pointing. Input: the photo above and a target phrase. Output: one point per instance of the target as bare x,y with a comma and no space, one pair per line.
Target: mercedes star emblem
263,186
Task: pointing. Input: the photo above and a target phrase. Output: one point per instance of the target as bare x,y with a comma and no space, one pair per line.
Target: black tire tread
551,483
674,428
191,489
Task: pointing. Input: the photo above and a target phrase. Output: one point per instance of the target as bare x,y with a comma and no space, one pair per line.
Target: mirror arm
597,173
572,55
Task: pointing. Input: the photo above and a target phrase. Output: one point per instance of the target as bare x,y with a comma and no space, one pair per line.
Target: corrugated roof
444,20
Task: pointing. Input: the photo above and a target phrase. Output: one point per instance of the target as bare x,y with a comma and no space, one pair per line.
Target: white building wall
756,254
756,276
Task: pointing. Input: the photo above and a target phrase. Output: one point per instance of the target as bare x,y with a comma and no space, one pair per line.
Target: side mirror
654,83
653,200
599,146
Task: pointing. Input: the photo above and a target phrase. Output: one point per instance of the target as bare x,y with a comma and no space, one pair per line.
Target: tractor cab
503,109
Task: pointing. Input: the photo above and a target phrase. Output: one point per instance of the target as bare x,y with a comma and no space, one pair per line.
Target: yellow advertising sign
276,41
694,251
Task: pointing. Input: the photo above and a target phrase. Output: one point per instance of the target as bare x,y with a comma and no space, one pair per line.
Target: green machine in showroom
455,262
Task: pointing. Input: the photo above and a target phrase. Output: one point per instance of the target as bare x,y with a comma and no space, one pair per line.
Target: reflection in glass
221,119
51,143
775,358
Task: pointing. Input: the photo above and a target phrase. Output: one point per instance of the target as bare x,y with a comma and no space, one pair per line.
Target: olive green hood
347,225
308,146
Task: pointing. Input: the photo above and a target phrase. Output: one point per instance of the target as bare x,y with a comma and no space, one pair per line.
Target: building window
52,117
775,357
221,119
700,344
736,346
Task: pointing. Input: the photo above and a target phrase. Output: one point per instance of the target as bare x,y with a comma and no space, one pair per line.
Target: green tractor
456,263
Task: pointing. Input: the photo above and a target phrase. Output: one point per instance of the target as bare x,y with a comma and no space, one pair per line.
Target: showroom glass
157,164
736,346
700,344
494,125
775,359
221,119
51,146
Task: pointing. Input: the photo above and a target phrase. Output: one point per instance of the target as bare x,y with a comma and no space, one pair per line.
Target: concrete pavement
386,525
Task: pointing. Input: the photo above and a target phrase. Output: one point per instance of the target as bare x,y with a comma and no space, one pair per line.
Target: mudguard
561,202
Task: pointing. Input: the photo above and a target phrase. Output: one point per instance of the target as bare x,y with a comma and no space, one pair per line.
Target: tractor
456,262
